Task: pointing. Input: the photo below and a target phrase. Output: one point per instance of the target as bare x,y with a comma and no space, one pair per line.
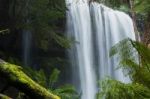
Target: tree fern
112,89
135,58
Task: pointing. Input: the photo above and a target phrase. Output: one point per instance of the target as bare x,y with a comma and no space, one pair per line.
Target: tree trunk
17,78
131,4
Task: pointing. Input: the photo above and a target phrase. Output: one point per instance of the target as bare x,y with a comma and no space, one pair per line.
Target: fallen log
18,79
4,97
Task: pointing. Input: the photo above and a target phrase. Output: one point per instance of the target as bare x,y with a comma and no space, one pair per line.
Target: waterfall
79,28
109,28
27,37
94,29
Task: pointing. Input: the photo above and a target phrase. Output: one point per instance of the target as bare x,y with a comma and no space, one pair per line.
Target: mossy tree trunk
17,78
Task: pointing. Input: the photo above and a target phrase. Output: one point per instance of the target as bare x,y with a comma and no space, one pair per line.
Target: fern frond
134,57
112,89
67,92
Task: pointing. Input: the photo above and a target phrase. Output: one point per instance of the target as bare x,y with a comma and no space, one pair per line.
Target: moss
4,97
19,79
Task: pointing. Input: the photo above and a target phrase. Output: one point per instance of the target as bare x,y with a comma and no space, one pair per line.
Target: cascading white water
79,28
110,27
95,28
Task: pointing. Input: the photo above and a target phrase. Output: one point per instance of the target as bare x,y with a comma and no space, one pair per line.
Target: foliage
44,18
142,6
4,31
38,76
65,92
115,3
130,52
112,89
142,9
53,78
134,57
17,78
48,64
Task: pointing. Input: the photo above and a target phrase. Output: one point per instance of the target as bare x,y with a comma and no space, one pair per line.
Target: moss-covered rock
17,78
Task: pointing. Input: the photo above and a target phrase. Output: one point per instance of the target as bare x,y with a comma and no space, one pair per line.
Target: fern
37,75
130,51
53,78
134,57
112,89
61,40
65,92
